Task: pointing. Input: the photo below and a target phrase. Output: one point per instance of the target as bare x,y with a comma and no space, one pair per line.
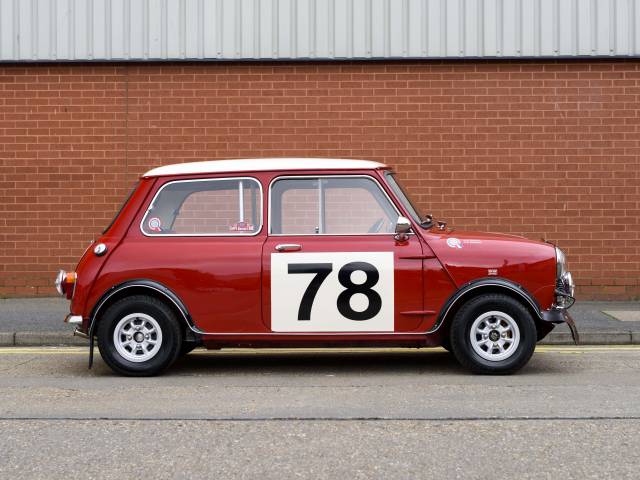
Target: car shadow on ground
317,363
433,362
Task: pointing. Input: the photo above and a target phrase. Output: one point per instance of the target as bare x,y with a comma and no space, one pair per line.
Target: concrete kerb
7,339
591,338
33,339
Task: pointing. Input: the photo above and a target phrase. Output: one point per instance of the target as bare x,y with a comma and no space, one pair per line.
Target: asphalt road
572,413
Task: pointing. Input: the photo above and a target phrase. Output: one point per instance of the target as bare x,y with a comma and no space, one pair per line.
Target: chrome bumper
73,319
77,321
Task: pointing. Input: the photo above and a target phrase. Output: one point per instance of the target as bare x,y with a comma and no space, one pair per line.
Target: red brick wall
542,149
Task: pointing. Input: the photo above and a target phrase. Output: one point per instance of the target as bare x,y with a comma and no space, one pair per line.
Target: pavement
39,321
571,413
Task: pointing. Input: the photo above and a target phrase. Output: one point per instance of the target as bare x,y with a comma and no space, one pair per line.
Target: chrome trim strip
257,232
313,177
334,234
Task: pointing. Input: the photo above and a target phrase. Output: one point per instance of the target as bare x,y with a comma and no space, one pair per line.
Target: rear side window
230,206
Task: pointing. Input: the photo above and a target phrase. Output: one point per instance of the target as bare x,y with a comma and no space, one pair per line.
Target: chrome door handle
288,247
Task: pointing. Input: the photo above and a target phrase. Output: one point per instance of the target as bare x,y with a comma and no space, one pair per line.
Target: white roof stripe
263,165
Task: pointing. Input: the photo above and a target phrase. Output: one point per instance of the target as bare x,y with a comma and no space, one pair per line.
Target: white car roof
263,165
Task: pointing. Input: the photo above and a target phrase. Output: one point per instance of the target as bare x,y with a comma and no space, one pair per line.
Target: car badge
454,242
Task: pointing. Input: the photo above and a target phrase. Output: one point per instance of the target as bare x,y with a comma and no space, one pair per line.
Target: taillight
65,283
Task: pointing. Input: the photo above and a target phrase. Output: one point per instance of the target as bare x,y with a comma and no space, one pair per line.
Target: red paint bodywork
224,282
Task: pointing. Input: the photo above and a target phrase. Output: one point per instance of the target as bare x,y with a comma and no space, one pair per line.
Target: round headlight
561,263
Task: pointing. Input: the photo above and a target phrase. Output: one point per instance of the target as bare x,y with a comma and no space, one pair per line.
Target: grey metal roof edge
487,59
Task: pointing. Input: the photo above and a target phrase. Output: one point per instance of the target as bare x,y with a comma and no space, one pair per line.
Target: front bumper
564,298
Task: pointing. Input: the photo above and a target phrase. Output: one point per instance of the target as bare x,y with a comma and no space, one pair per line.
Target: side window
299,204
205,207
330,206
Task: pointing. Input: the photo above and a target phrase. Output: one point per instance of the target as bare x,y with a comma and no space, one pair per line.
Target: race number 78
343,302
332,292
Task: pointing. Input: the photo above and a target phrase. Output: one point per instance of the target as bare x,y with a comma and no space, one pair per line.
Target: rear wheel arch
142,287
139,335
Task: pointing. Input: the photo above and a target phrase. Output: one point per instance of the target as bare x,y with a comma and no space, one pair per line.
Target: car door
331,263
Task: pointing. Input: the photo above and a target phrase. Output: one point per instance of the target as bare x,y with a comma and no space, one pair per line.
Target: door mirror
403,226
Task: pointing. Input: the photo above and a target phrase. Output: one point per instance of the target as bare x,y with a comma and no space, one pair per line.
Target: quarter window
205,207
330,206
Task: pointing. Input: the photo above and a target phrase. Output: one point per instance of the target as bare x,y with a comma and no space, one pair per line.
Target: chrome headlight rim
565,287
561,263
569,286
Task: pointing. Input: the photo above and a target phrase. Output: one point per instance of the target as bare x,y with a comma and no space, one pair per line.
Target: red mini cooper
301,253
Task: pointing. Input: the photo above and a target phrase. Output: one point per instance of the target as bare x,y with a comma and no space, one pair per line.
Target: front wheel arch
483,287
482,317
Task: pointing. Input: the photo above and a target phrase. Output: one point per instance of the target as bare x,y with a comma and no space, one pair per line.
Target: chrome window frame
155,235
319,177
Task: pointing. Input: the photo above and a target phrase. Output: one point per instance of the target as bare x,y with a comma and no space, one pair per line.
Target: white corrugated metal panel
32,30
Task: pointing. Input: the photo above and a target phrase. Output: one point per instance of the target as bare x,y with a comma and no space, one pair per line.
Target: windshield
405,198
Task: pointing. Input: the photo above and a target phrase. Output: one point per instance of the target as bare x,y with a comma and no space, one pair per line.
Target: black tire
166,322
460,335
